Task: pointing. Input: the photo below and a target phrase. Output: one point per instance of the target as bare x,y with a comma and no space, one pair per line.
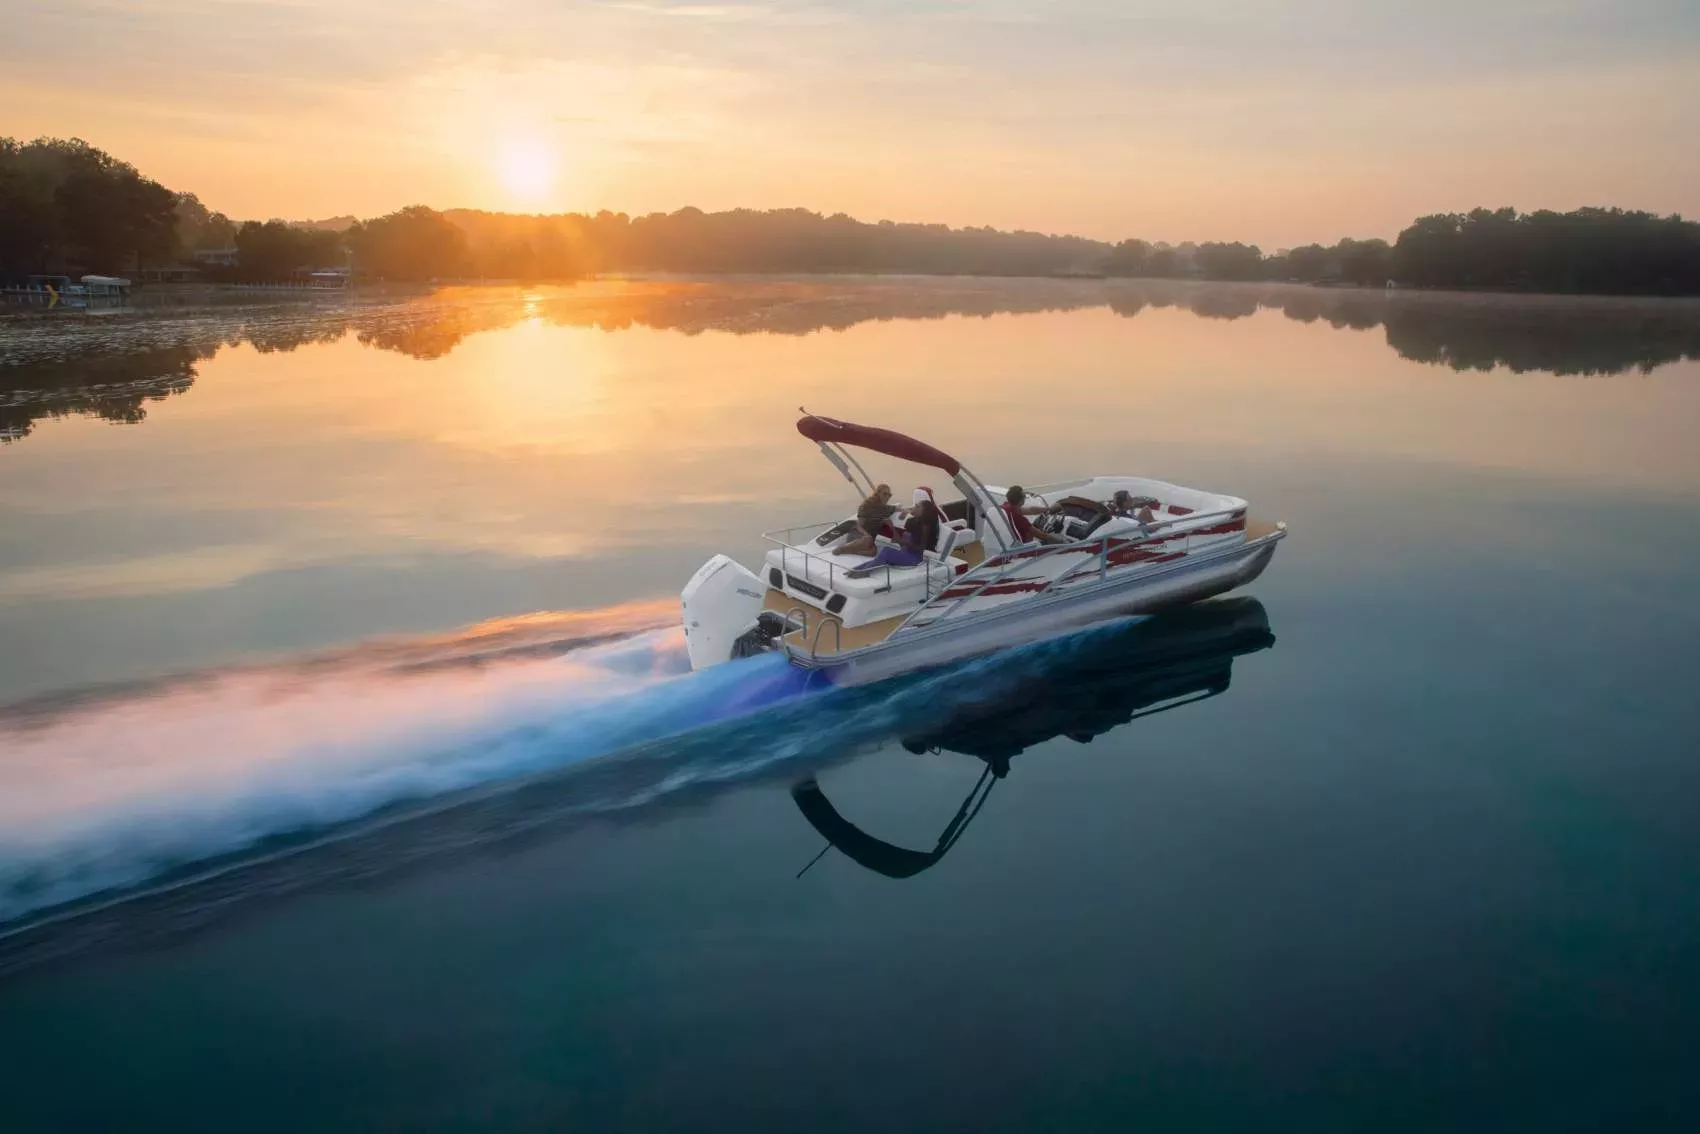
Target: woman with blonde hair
920,535
870,518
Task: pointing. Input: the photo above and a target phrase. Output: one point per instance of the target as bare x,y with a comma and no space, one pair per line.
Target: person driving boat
1014,511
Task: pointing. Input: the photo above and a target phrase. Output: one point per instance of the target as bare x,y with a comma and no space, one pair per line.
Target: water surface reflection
312,474
1429,858
51,368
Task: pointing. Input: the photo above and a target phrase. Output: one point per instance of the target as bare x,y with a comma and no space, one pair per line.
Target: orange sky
1277,123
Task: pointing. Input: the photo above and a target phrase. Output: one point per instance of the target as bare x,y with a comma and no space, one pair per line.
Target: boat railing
786,539
782,536
1000,565
798,616
1148,532
837,635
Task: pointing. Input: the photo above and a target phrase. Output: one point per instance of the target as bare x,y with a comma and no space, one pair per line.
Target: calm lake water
351,776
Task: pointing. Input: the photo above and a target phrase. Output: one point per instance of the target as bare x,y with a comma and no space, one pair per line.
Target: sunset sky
1276,123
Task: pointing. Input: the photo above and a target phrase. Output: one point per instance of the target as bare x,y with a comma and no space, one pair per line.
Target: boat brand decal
806,587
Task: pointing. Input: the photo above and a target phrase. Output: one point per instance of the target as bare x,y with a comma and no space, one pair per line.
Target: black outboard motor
761,637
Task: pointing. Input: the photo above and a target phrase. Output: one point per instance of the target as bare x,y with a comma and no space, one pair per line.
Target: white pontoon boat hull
987,583
1046,616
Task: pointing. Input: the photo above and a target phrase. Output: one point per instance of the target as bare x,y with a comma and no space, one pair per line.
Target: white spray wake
110,793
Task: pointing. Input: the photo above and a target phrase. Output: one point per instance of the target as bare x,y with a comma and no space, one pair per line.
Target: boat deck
846,638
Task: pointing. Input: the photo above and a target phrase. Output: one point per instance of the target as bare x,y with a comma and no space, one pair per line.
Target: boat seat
830,573
949,537
964,536
950,531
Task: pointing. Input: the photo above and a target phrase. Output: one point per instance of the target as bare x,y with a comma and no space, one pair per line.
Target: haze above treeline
67,207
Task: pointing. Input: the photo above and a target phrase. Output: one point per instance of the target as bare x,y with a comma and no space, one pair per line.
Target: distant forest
67,207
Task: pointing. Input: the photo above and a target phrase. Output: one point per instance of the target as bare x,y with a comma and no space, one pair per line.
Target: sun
527,169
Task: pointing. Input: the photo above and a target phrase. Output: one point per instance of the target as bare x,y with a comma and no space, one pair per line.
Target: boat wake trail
139,814
105,792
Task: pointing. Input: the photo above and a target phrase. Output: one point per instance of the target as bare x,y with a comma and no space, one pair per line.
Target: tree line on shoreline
66,206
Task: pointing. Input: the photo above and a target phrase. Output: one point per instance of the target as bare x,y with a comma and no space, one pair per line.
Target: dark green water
1424,860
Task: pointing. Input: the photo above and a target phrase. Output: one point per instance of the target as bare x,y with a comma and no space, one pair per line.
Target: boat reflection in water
1165,662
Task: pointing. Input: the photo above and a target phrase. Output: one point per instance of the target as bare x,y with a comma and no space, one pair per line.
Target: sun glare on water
527,170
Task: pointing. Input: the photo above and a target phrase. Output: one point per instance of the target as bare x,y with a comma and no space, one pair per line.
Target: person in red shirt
1016,514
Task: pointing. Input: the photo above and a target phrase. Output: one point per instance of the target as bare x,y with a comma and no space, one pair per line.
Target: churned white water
113,791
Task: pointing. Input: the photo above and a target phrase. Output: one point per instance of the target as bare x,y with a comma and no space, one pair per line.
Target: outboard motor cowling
721,603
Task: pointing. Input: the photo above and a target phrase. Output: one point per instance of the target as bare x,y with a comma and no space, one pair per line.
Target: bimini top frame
835,436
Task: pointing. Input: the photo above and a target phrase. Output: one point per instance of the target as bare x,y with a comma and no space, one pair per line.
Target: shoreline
165,295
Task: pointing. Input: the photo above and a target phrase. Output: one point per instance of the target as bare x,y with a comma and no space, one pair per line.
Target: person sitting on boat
920,535
1016,513
1129,506
870,518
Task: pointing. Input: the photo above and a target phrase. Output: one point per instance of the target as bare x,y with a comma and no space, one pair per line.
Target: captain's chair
947,541
951,532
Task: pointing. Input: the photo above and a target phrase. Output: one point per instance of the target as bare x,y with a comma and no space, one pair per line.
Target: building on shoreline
217,257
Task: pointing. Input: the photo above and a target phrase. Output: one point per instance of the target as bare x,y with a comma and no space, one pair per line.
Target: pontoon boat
981,587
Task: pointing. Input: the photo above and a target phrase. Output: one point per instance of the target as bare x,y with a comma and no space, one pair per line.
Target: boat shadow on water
990,708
